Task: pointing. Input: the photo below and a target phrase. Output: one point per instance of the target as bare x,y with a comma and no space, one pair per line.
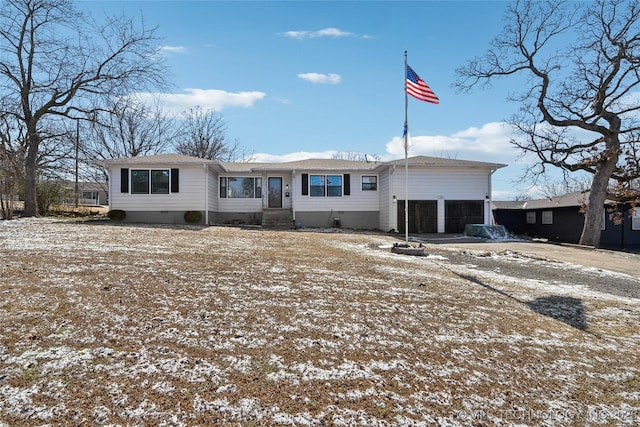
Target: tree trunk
593,218
31,176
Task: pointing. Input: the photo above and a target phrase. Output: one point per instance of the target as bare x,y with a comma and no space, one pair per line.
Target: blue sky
306,79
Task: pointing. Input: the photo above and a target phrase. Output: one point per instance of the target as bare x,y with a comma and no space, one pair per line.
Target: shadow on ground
568,310
564,309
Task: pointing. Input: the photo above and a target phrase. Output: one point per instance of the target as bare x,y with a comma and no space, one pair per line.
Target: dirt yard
109,324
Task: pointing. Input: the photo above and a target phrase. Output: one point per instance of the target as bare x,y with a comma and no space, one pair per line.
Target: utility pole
77,149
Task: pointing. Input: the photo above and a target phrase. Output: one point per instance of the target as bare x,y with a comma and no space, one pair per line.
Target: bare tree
51,159
203,134
355,156
522,197
12,153
54,61
558,189
126,128
578,113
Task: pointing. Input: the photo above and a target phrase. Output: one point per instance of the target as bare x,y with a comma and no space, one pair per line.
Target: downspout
392,206
206,194
292,198
110,187
264,202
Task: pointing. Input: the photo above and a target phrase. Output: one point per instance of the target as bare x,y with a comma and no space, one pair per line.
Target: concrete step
277,219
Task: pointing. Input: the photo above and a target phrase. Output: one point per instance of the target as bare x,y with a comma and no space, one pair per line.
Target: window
145,181
369,183
531,217
223,187
325,185
89,195
159,182
635,219
154,181
139,181
547,217
235,187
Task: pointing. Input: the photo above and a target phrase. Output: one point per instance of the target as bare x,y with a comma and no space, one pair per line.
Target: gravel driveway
563,265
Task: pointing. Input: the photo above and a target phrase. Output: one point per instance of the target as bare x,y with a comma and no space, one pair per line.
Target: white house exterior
443,194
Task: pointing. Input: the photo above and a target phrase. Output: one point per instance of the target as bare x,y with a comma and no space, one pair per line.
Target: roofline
126,162
464,163
375,166
291,169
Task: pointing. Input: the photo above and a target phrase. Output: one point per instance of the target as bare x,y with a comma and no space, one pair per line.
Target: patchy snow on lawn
116,324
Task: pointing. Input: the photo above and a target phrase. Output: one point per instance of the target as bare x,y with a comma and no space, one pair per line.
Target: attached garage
444,195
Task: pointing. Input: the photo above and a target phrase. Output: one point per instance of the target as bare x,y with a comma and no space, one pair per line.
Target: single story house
89,193
443,194
560,219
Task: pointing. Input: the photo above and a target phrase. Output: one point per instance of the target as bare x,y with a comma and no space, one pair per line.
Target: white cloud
172,49
333,79
331,32
491,142
212,99
295,34
325,32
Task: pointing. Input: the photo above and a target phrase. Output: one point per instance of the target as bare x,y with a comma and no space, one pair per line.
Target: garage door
423,217
457,213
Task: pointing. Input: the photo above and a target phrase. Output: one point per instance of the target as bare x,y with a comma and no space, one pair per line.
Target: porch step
277,219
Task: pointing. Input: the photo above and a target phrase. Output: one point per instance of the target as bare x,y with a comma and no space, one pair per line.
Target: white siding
358,200
212,194
393,208
190,197
239,205
447,184
386,203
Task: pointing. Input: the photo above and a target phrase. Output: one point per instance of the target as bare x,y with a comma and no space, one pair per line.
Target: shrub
50,193
192,216
117,215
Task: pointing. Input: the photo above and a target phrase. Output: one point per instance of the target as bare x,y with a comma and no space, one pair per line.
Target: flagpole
406,155
417,88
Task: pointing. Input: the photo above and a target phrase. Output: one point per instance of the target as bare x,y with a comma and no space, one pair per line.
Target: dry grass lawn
105,324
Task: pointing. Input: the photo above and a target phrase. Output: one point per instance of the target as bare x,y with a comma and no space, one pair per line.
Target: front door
275,192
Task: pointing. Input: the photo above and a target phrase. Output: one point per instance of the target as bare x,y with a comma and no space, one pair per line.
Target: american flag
417,88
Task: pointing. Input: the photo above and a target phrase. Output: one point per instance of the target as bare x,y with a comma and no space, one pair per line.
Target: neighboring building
559,219
444,194
93,193
89,193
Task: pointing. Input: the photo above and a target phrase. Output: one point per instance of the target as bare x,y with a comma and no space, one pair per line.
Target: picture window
238,187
